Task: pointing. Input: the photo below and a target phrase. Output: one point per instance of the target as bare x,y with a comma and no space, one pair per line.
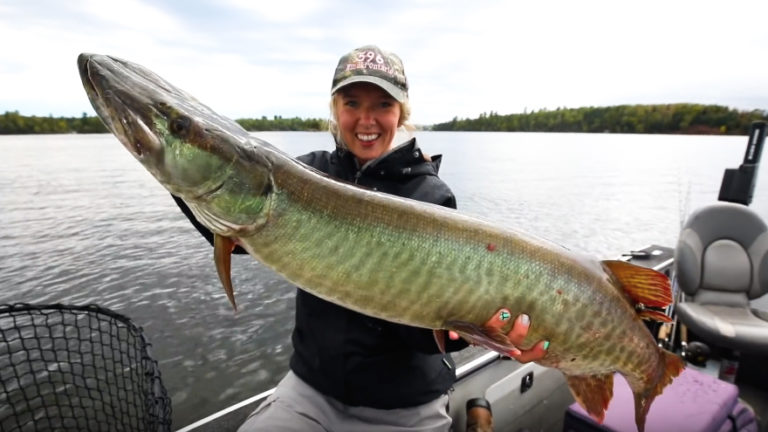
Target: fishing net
77,368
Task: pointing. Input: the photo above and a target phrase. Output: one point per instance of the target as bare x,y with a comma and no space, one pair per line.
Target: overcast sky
248,58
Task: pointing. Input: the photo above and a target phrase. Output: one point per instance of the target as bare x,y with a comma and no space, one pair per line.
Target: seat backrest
722,255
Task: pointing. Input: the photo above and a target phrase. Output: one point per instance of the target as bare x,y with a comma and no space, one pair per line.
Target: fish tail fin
671,366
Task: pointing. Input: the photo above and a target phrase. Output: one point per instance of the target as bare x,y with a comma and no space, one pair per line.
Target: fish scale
389,257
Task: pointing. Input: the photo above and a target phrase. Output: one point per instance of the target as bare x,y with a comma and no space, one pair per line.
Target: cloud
284,11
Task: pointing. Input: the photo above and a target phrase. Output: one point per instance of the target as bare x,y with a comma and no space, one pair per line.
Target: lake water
82,222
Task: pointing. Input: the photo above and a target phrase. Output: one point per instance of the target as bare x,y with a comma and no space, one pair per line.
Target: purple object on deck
694,402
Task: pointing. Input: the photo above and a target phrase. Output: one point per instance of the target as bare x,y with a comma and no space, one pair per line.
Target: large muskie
385,256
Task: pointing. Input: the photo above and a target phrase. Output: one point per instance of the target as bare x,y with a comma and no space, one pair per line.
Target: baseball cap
372,65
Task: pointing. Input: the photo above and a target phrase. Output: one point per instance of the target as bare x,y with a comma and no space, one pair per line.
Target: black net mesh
77,368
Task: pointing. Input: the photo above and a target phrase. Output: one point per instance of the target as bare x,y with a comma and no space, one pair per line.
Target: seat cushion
732,327
726,267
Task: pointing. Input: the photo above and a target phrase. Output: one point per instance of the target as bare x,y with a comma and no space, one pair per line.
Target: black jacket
354,358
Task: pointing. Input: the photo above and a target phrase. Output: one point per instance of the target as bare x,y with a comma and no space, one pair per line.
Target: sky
253,58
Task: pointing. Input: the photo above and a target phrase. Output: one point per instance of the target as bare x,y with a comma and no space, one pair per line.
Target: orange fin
671,366
654,315
490,337
641,284
222,255
592,392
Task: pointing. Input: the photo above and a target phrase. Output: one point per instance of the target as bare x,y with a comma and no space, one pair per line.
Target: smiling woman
339,353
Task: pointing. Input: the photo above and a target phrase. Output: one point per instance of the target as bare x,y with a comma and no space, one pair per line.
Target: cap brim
395,92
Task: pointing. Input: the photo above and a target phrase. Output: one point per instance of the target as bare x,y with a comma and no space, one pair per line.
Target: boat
530,397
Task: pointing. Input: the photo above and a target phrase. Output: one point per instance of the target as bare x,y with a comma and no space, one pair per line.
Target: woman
352,372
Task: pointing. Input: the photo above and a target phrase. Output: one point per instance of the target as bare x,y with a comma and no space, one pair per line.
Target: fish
389,257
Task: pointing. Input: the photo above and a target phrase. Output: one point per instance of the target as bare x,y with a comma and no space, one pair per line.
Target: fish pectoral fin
592,392
642,285
439,339
222,256
489,337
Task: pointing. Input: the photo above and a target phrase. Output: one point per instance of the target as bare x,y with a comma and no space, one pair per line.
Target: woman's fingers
517,334
536,353
519,329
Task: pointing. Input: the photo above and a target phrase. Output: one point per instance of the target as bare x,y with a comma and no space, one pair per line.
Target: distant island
660,119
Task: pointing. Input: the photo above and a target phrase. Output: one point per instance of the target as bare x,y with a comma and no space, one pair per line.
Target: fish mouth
113,96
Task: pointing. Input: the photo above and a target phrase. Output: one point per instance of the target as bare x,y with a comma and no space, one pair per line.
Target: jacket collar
404,160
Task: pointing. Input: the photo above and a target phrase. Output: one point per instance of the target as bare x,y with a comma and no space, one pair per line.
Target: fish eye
180,125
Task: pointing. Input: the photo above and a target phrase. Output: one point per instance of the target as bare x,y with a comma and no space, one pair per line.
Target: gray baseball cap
370,64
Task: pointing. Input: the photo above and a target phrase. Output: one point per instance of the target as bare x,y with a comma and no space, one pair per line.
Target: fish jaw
196,154
107,89
156,123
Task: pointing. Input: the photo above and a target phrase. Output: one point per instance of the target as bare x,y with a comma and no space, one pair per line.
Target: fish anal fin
592,392
641,284
489,337
222,256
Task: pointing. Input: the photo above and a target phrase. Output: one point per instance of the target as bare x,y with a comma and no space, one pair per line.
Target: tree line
13,123
666,119
670,118
278,123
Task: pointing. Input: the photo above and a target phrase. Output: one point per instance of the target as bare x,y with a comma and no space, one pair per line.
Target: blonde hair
333,122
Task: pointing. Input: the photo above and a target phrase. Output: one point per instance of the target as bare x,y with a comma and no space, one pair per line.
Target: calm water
82,222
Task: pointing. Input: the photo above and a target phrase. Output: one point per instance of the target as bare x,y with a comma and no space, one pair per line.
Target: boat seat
721,263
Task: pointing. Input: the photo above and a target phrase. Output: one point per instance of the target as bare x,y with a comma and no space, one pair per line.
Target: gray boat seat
721,264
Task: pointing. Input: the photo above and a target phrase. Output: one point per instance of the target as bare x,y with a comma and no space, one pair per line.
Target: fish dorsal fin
592,392
641,284
222,256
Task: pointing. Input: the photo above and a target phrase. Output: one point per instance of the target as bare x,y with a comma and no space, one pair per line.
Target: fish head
198,155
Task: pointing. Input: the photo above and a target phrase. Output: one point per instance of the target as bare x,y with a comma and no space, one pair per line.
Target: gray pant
295,406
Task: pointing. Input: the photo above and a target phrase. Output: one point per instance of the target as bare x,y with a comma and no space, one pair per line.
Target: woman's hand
516,336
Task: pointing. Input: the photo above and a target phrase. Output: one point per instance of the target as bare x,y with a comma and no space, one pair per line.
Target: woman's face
368,119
